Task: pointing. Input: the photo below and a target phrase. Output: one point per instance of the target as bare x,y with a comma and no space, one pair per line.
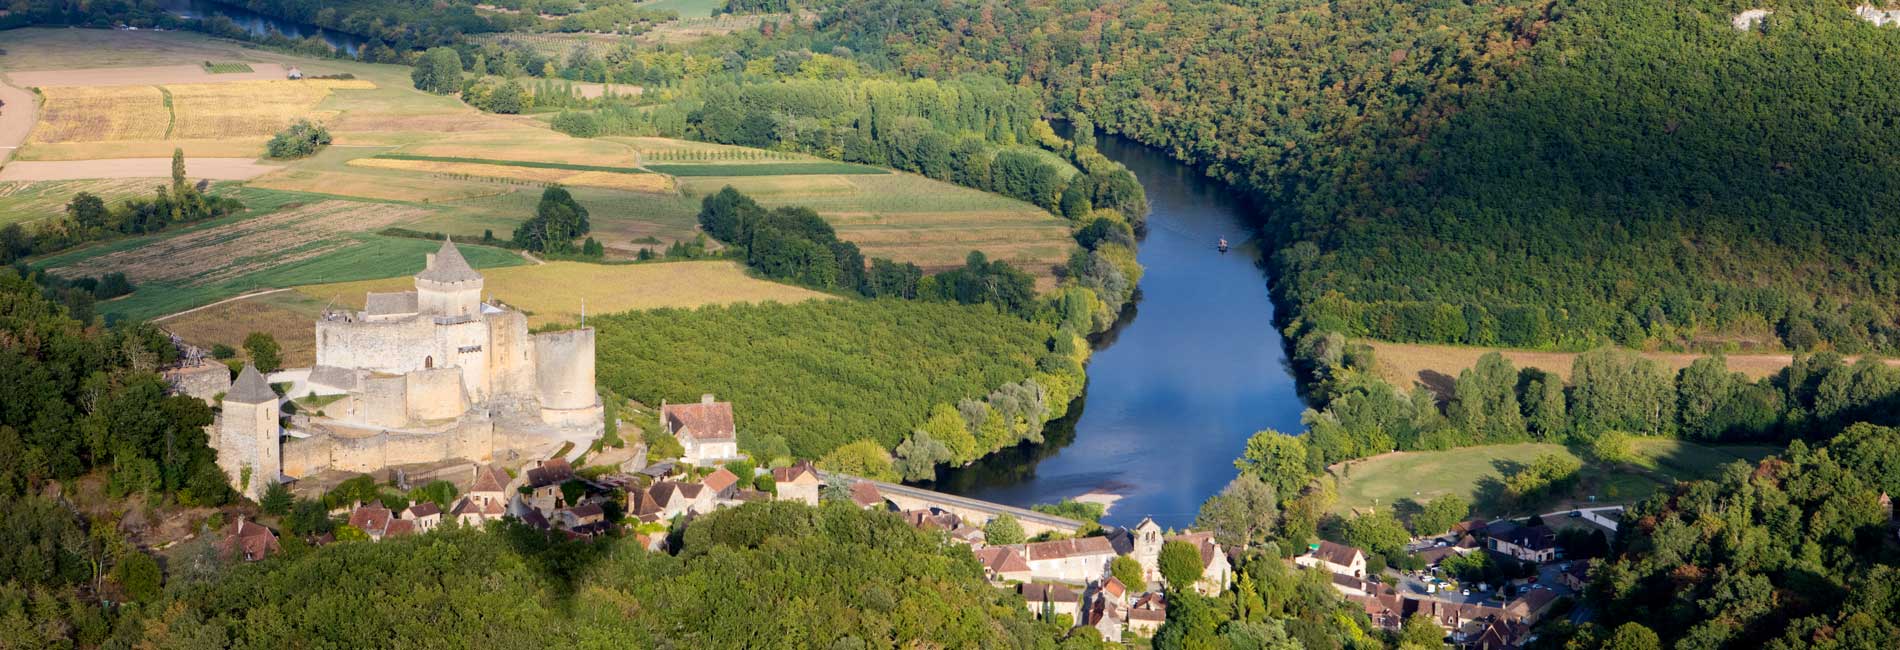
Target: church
436,373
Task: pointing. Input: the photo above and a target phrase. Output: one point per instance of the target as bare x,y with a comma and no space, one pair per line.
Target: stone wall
463,345
385,401
389,347
510,355
564,369
205,381
472,440
449,298
435,394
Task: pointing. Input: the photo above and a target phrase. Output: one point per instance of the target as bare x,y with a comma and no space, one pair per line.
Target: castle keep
417,377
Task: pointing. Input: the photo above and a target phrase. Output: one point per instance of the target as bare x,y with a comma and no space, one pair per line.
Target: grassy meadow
1477,473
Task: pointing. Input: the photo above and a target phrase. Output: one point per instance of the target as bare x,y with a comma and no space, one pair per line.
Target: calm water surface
1174,393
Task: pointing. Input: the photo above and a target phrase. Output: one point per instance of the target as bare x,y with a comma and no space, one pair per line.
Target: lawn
555,292
1476,473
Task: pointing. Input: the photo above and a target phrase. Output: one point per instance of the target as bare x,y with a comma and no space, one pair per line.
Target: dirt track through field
141,76
17,115
213,255
222,169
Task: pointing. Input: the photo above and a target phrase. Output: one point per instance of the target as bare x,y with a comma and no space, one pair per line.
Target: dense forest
1510,172
762,575
811,377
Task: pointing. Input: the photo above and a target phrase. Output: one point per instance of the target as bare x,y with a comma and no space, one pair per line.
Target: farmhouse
1337,558
418,376
1527,543
704,429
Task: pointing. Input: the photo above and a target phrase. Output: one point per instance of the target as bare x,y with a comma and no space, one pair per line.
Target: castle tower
447,285
564,377
1147,550
248,434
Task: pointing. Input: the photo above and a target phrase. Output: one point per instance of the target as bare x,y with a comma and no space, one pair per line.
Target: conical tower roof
250,388
448,266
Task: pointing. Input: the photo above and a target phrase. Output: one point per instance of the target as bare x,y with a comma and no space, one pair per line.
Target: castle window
428,361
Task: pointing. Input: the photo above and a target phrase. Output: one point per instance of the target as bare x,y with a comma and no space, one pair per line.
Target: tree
1376,532
1633,636
276,500
438,71
263,350
1126,569
1180,565
1278,459
863,459
87,210
1486,400
1246,510
1420,631
139,575
1440,514
1003,529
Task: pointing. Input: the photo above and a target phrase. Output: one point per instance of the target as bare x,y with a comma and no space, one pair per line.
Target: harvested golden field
246,108
208,255
102,113
1436,366
553,292
372,185
248,148
286,315
535,144
605,180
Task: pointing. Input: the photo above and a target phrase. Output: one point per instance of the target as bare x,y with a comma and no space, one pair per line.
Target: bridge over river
975,511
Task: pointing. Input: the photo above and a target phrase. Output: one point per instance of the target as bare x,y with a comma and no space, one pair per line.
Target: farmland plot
212,255
86,114
217,110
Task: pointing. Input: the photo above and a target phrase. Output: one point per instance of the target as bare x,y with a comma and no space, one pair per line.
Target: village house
248,540
676,498
799,482
1498,634
1575,575
865,495
1147,614
1107,610
1349,586
544,481
704,429
1047,601
476,511
934,518
1216,570
1527,543
722,482
372,519
490,486
1003,564
1436,555
1076,561
1531,605
642,506
425,515
1386,610
584,519
1336,558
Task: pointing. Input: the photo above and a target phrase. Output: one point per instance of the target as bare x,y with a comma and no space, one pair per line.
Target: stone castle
417,376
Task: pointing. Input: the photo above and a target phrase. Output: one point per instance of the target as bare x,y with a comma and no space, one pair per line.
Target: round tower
564,377
447,285
248,436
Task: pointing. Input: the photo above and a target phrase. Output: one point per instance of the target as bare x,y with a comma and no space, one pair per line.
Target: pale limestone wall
564,369
389,347
247,437
203,381
510,354
464,345
1080,569
385,401
435,394
305,456
474,441
449,298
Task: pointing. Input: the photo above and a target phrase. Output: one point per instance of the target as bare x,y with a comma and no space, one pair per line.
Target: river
260,24
1175,390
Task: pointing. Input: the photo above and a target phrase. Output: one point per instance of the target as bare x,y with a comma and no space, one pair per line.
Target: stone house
426,515
1077,561
1531,605
372,519
476,511
1527,543
248,540
1349,586
1336,558
490,486
642,506
799,482
585,514
865,495
1147,614
1107,610
1003,564
546,477
1217,571
1046,600
722,482
676,498
705,430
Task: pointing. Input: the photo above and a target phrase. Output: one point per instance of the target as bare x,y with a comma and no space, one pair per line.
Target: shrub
298,140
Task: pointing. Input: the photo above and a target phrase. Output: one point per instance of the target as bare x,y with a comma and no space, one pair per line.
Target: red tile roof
370,519
248,540
1339,554
420,510
1002,559
865,494
400,527
704,421
489,478
1203,542
721,479
798,473
1067,548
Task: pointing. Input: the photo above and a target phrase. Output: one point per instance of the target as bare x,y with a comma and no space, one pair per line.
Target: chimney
706,398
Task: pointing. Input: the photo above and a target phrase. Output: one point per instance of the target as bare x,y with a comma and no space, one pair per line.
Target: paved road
950,500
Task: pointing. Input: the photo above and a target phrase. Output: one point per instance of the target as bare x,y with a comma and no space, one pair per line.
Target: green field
224,67
766,169
30,201
688,8
516,163
1476,472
